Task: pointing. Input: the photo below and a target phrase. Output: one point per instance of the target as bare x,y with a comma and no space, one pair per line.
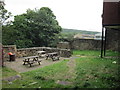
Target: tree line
37,27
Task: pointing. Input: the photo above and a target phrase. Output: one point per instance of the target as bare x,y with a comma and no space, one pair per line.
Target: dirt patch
71,74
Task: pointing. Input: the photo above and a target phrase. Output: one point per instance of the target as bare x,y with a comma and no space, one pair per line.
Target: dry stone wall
81,44
64,45
85,44
33,51
9,48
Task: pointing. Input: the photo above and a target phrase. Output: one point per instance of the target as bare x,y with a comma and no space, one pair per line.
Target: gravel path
19,67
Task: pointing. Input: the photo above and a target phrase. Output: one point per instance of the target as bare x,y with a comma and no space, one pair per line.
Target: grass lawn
7,72
94,53
87,70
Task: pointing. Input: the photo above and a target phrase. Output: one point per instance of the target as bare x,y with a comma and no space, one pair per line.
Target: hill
74,31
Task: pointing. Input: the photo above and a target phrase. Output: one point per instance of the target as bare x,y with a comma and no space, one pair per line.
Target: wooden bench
30,60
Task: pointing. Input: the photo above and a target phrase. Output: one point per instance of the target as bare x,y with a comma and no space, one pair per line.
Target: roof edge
111,0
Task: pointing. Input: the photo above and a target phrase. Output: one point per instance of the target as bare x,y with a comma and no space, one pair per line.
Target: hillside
74,31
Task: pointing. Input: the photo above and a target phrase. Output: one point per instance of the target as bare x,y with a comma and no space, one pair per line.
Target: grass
89,71
96,73
7,72
86,52
95,53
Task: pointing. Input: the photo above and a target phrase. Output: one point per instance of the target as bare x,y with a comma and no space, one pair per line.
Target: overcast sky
72,14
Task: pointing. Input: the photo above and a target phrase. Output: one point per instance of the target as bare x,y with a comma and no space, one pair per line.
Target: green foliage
66,36
4,14
11,36
37,27
8,35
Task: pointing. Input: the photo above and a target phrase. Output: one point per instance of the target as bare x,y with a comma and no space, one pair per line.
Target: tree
39,26
4,14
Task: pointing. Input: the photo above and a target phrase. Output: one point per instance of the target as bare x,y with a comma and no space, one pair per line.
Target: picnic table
30,60
41,53
54,56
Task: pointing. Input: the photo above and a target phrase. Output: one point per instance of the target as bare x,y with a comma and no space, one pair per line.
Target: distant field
85,70
74,31
69,33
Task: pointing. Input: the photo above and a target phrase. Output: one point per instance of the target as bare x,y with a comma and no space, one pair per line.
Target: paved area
18,66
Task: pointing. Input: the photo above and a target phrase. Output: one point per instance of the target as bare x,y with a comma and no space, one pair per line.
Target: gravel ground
18,66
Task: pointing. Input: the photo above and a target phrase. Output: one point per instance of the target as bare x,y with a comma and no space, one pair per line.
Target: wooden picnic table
31,59
54,56
41,53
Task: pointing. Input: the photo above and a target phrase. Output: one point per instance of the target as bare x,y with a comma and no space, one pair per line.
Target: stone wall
64,45
33,51
9,48
85,44
112,42
81,44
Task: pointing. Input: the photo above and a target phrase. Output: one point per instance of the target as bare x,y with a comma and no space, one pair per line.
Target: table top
40,52
31,57
52,53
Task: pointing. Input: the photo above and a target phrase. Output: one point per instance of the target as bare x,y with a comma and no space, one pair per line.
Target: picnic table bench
31,59
54,56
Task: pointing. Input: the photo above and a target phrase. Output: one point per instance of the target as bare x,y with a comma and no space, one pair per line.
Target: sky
71,14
